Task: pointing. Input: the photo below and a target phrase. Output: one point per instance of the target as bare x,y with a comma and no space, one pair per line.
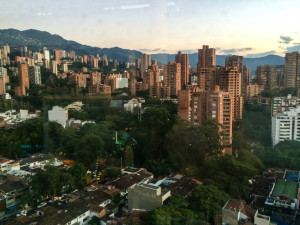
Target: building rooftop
183,187
286,187
38,157
292,175
127,180
239,205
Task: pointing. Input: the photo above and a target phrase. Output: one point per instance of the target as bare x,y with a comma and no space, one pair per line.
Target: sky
251,28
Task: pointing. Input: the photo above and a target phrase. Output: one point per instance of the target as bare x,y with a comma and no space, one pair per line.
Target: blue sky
249,28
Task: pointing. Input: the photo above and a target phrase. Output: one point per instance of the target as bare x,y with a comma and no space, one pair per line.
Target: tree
78,172
111,172
128,158
208,200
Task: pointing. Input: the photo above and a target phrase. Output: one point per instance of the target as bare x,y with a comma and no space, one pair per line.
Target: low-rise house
126,181
180,185
132,104
11,189
38,160
236,212
146,197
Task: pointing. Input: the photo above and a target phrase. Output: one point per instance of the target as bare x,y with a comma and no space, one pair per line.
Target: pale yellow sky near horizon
157,26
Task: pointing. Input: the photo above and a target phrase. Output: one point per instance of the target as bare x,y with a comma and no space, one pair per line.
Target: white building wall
59,115
121,82
286,126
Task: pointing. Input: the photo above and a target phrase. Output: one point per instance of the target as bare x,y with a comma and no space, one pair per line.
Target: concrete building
269,77
78,78
64,67
172,77
292,70
260,219
72,54
24,52
58,115
151,79
46,54
237,61
54,67
132,104
282,104
58,54
23,74
145,63
116,81
196,106
35,75
3,80
252,90
183,59
206,57
146,197
230,81
207,78
286,125
236,212
282,202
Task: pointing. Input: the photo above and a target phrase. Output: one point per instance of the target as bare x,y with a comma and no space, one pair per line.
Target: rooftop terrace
286,187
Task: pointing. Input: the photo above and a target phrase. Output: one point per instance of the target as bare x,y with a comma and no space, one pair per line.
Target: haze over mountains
35,40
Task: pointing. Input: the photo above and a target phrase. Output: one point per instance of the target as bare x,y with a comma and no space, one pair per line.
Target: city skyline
250,29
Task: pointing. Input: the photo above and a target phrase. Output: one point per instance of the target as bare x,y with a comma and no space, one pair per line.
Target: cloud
228,51
234,50
244,49
135,6
295,48
262,54
187,51
44,13
155,50
285,39
171,3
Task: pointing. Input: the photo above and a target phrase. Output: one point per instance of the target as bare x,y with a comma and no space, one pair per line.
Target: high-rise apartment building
196,106
138,63
183,59
35,75
85,59
285,126
23,74
54,67
292,70
234,61
221,109
6,49
206,57
151,79
230,81
24,52
72,54
46,54
3,80
95,63
145,63
269,77
283,104
207,78
237,61
172,77
58,54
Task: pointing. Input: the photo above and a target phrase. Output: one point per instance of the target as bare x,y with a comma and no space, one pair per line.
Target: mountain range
35,40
